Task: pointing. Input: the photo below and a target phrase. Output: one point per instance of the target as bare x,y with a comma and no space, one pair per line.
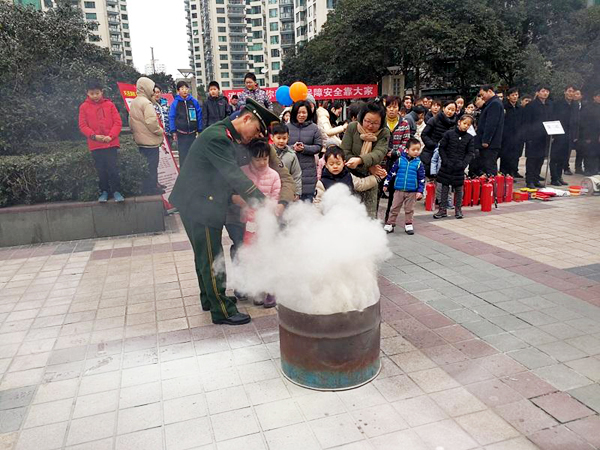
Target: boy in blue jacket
185,120
409,174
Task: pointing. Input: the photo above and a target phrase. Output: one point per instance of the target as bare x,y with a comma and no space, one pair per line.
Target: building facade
228,38
111,23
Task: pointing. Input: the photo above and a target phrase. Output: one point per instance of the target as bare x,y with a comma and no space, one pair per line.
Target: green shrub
64,171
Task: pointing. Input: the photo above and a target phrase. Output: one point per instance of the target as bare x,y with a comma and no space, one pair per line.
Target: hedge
64,171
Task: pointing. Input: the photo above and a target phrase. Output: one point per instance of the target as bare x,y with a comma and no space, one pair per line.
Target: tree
164,80
45,63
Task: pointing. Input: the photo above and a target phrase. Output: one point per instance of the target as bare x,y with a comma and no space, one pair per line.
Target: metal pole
548,160
153,60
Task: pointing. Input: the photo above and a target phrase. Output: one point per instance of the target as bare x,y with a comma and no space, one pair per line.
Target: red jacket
100,118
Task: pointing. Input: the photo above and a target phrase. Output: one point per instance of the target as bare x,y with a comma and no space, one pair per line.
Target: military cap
264,116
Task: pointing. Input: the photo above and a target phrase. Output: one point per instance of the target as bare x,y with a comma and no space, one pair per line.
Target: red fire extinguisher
429,196
475,190
508,192
467,193
500,188
487,196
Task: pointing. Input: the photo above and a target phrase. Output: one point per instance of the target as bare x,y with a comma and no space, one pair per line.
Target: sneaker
118,197
388,228
568,172
408,228
563,182
555,183
258,301
270,301
103,197
537,184
440,215
240,296
458,214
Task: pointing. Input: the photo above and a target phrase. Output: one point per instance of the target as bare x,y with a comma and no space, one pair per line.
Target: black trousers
509,158
236,234
560,151
533,167
488,158
151,180
591,157
458,196
184,142
105,160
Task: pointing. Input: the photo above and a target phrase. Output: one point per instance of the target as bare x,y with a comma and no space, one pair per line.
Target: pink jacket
267,181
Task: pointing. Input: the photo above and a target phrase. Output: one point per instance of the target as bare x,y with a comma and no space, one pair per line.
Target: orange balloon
298,91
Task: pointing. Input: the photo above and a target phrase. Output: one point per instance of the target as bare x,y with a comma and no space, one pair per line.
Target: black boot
440,214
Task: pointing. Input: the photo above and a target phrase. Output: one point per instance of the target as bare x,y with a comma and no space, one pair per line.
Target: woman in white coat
327,121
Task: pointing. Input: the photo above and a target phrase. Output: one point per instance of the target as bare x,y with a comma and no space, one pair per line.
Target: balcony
112,20
286,17
112,2
235,11
112,11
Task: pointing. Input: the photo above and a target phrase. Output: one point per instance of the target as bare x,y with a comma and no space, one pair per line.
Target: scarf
367,138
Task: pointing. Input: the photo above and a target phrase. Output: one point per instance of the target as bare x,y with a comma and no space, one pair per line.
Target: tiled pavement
485,345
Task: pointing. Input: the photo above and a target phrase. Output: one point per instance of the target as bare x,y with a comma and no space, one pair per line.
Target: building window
255,47
126,35
272,2
124,17
223,57
123,8
222,48
224,74
225,84
95,38
90,5
256,22
195,24
331,4
274,26
196,40
275,79
220,10
222,29
194,15
197,48
91,16
258,58
255,10
273,13
220,19
276,65
224,66
222,38
257,34
274,39
198,64
193,6
128,52
220,2
275,53
125,26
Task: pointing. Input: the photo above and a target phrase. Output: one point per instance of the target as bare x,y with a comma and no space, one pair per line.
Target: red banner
325,92
167,167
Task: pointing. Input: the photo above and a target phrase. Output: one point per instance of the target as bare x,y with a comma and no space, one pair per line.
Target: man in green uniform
202,193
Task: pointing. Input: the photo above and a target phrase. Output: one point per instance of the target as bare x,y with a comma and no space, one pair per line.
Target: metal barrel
330,352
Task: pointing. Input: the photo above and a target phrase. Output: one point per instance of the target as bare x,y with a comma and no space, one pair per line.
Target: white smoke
316,262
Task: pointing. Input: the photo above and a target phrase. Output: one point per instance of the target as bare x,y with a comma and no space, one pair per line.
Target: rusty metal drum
330,352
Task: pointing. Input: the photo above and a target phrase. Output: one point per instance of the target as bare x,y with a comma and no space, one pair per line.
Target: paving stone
558,438
525,417
457,402
11,419
588,395
494,393
588,367
445,434
505,342
467,372
588,429
486,427
561,377
528,385
561,351
483,328
587,344
15,398
562,407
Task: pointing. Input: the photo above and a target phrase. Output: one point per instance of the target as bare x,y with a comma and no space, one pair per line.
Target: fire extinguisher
467,193
475,190
487,196
500,188
508,192
429,196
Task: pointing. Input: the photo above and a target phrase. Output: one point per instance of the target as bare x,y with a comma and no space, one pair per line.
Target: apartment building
228,38
111,29
310,16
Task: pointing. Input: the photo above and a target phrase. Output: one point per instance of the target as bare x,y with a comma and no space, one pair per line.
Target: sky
160,24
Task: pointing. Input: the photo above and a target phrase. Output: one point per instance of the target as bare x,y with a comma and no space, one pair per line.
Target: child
185,120
101,123
457,148
269,183
216,106
280,135
409,172
335,171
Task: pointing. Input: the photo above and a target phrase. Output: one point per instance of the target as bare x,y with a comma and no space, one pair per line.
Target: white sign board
554,128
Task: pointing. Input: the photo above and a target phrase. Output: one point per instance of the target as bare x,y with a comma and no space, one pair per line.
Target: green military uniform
202,194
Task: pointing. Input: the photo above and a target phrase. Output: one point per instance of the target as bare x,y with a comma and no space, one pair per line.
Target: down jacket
143,120
433,133
267,181
329,132
310,135
100,118
457,148
352,144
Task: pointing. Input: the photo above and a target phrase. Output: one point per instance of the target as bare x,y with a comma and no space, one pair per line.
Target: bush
64,171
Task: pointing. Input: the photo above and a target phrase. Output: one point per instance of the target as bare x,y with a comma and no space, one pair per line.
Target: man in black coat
574,129
560,148
534,115
489,130
589,135
512,137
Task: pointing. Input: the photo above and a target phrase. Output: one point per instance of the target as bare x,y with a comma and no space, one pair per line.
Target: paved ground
491,340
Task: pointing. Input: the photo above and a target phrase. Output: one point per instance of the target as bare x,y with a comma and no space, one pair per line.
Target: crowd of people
385,148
